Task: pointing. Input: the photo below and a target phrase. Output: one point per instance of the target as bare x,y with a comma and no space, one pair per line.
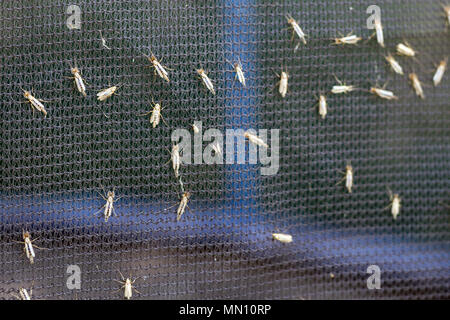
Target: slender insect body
352,39
447,13
416,85
437,78
159,68
104,41
79,81
322,106
255,140
207,82
109,205
405,50
35,103
342,89
283,83
379,32
156,115
127,285
349,178
24,294
176,161
105,94
296,28
285,238
395,210
29,251
239,73
382,93
183,204
394,64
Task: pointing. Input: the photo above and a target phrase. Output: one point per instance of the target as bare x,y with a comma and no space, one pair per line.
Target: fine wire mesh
54,167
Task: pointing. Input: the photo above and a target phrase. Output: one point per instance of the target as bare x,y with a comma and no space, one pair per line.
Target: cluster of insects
402,49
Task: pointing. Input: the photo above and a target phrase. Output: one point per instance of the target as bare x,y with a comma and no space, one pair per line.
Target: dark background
53,167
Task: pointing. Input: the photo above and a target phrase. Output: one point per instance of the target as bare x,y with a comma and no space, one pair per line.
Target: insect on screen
269,213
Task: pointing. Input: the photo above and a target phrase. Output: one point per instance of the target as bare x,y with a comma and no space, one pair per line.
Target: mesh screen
54,167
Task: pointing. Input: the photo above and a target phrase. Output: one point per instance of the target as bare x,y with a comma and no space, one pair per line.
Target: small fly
282,237
348,177
296,28
395,204
207,82
342,87
28,246
437,78
127,285
394,64
415,82
106,93
35,103
237,66
349,39
156,114
109,205
159,68
78,80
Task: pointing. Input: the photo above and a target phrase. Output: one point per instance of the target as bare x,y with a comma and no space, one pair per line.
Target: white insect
195,128
322,106
255,140
394,64
349,39
35,103
348,177
437,78
416,85
106,93
395,204
447,13
182,205
23,294
158,67
156,114
379,32
104,41
176,161
285,238
283,83
28,246
109,205
127,285
78,80
382,93
206,80
296,28
239,73
405,50
342,87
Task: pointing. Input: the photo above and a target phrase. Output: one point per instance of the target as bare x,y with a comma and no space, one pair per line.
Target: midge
182,205
416,85
156,114
28,248
78,80
295,28
255,139
282,237
127,285
349,39
378,32
23,294
158,67
35,103
348,177
447,13
383,93
106,93
322,105
206,81
237,66
283,83
109,205
176,160
342,87
405,50
394,64
437,78
395,204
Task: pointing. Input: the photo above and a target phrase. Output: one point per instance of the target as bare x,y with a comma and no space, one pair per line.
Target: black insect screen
222,248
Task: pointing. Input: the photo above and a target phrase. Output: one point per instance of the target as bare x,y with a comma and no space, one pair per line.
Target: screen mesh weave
54,167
